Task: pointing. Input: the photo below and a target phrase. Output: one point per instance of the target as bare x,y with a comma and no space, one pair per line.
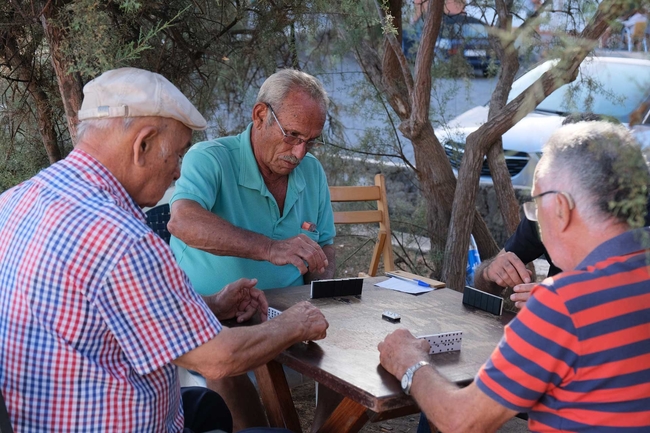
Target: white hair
602,166
102,125
276,88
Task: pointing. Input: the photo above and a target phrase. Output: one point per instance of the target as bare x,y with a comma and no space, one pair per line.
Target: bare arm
206,231
238,299
504,270
330,270
449,407
237,350
482,283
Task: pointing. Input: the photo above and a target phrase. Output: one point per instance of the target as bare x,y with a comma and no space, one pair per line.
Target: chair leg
376,253
628,34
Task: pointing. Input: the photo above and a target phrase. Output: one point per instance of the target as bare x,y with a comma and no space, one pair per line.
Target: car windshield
608,88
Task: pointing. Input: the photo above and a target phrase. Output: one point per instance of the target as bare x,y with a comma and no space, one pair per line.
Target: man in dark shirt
508,268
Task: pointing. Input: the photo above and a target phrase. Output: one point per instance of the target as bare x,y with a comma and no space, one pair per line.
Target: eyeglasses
292,139
530,207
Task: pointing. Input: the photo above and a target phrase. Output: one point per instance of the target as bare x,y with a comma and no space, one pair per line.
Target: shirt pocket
314,236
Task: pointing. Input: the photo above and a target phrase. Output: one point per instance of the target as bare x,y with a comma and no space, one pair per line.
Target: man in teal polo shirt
222,176
257,205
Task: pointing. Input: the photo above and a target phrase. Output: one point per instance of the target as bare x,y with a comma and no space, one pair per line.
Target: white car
610,86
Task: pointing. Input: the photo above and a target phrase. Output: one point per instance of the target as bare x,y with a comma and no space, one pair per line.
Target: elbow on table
215,369
174,226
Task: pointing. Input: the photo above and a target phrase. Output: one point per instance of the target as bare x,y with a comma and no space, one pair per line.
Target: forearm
481,281
205,231
454,409
237,350
330,270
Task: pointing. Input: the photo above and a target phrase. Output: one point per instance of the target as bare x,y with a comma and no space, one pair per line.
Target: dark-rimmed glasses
292,139
530,207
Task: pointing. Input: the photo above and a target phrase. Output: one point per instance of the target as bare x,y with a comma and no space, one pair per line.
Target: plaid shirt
93,307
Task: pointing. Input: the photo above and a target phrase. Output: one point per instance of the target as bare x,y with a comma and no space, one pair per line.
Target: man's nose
300,150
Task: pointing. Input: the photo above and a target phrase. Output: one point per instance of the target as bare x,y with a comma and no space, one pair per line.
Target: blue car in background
461,37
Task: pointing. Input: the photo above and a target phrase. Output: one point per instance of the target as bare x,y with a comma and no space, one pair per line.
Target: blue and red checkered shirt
93,307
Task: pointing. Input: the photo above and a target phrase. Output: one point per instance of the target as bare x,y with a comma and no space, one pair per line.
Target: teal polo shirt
222,176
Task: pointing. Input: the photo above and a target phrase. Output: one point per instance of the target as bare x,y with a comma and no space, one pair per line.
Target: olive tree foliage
213,50
451,213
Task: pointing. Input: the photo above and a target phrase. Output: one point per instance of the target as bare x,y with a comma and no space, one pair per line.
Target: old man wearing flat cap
95,314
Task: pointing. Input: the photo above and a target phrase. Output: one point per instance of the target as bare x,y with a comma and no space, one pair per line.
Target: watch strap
409,375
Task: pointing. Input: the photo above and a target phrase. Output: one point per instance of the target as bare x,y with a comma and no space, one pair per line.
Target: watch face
405,381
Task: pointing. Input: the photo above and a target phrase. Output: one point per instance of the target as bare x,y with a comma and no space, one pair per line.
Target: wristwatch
407,379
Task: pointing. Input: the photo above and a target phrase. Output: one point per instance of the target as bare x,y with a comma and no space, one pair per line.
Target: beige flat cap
132,92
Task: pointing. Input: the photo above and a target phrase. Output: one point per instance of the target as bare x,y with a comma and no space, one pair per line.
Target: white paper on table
403,286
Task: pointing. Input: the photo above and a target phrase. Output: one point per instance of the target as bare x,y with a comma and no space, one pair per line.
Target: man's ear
142,144
562,211
261,113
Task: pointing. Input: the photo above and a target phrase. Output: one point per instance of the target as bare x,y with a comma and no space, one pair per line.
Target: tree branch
422,96
564,72
397,50
479,141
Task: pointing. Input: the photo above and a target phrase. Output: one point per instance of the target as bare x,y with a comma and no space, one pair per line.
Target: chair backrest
157,219
638,30
377,192
5,422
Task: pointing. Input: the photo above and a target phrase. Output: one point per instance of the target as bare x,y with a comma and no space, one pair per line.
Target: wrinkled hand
507,270
400,350
240,299
522,293
307,318
300,251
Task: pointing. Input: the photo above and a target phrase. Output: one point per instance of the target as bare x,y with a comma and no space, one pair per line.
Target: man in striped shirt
577,356
95,314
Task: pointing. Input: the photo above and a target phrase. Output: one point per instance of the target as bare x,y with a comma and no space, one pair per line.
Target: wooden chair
636,36
383,246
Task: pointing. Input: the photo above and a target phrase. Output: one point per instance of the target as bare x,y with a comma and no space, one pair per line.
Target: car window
474,31
608,88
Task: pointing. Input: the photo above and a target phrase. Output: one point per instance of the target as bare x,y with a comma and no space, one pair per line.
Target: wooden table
347,361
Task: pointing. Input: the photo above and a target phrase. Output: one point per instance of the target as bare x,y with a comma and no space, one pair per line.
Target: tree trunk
509,58
437,182
410,99
70,84
506,198
479,142
23,67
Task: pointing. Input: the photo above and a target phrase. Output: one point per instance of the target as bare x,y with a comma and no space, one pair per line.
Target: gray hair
102,124
602,167
277,87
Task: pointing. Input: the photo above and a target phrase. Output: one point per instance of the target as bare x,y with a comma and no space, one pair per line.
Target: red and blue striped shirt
577,357
93,307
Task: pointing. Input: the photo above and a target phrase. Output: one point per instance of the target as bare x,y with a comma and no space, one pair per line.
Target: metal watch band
409,376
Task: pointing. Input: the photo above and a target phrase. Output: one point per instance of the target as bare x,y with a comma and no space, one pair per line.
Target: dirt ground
305,401
304,398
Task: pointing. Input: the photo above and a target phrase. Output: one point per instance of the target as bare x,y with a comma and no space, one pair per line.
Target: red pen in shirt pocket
310,227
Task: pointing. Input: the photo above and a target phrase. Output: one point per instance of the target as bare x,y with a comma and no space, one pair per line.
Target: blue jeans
423,425
206,411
